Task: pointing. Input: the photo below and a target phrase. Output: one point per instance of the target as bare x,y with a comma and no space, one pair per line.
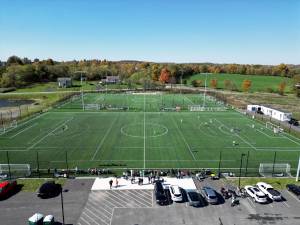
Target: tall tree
281,87
246,85
164,75
214,83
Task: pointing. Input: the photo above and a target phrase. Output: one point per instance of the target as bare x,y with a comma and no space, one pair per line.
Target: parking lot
19,207
138,207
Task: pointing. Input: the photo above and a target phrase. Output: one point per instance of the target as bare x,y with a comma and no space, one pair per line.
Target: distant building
111,80
268,111
64,82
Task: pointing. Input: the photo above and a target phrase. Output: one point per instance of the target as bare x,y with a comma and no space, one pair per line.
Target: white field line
19,125
189,100
144,132
183,138
103,139
245,141
23,130
49,133
292,140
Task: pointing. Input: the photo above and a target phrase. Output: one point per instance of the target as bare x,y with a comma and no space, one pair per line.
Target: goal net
16,170
91,106
199,108
273,127
277,169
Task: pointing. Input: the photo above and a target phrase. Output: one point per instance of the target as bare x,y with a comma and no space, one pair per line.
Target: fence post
8,163
220,159
37,163
67,161
274,161
247,163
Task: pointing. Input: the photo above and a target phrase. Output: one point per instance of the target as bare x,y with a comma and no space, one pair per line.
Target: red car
6,187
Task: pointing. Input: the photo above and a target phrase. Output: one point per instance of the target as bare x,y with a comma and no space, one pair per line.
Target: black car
294,189
160,194
49,189
194,198
294,122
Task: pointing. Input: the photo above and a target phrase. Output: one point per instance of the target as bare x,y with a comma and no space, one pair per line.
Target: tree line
20,72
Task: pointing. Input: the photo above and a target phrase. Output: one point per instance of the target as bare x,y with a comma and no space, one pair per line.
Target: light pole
62,205
242,155
204,97
81,72
220,159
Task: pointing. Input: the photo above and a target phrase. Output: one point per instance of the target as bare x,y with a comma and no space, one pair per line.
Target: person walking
117,182
110,183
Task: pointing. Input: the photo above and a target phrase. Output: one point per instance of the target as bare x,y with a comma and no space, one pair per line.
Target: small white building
268,111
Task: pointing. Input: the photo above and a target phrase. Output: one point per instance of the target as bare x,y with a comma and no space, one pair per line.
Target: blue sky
228,31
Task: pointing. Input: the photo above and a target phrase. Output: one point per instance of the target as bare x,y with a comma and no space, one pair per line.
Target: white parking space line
97,209
118,197
293,196
141,198
251,202
102,208
116,202
90,218
105,200
96,216
135,200
85,221
287,205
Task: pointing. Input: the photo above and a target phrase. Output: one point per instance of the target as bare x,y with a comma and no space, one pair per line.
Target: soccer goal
91,106
16,170
195,108
277,169
275,128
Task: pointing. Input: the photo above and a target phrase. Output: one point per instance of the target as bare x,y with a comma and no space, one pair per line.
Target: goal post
277,169
15,170
92,107
273,127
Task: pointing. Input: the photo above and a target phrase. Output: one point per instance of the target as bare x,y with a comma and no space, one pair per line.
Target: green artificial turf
145,137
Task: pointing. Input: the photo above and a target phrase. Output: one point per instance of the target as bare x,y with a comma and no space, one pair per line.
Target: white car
176,194
268,190
256,194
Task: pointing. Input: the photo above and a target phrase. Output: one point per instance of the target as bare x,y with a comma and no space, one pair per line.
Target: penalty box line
30,147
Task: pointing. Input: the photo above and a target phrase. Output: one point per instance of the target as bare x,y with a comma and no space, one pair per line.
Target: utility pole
298,170
242,155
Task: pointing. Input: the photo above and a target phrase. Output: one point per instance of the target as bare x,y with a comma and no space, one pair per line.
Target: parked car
295,189
49,189
36,219
176,194
194,198
294,122
210,195
160,194
49,220
6,187
268,190
256,194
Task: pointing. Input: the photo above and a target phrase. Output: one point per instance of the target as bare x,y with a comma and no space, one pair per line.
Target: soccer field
143,131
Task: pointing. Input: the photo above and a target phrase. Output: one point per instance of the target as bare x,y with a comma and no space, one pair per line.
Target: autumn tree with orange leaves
281,87
214,83
164,75
246,85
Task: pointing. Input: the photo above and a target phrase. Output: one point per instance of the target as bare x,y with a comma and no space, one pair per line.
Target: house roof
64,78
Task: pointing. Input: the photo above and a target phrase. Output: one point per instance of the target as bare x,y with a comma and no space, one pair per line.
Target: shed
111,80
64,82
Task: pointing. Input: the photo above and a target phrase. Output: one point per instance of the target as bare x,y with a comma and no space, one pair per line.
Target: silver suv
210,195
